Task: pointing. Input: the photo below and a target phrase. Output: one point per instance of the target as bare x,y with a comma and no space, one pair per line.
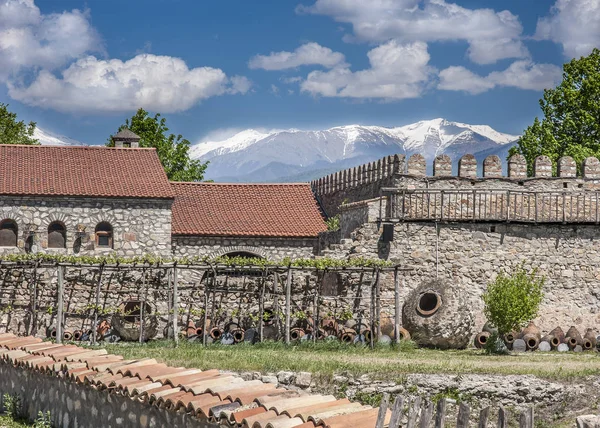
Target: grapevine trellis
193,290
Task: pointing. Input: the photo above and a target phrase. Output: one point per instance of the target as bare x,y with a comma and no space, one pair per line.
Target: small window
104,235
8,233
57,235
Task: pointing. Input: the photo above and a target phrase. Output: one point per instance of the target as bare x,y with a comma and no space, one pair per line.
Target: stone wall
472,255
358,183
271,248
77,406
139,226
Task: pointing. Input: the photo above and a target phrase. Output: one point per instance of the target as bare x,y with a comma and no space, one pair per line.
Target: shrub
43,420
333,223
512,301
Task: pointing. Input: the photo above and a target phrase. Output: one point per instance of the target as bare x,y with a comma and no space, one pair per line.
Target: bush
512,301
333,223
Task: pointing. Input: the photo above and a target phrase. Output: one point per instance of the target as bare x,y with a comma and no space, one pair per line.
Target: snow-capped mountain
47,138
303,155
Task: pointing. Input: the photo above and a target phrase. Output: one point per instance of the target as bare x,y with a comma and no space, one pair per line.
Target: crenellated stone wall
367,181
139,226
466,228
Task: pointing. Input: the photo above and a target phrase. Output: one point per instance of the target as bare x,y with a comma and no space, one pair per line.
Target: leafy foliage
43,420
13,131
333,223
571,123
512,301
173,150
13,405
148,259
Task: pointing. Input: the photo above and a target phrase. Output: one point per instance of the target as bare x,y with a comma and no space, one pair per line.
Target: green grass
327,359
8,422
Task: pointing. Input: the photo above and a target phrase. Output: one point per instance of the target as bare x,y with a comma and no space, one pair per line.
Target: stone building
468,228
101,200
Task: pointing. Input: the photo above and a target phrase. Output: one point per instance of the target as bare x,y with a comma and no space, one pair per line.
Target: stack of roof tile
210,395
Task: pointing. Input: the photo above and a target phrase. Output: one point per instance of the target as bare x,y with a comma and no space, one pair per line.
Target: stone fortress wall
466,229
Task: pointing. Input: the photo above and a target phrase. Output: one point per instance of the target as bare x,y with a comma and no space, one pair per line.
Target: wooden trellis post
175,307
60,304
397,309
143,305
288,298
97,303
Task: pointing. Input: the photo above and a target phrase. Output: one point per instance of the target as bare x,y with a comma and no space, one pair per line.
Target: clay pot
438,314
573,338
532,336
559,334
589,340
481,339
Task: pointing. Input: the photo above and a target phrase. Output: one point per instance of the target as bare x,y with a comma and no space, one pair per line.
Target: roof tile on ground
82,171
222,399
267,210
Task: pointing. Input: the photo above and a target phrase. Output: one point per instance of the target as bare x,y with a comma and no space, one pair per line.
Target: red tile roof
211,396
270,210
82,171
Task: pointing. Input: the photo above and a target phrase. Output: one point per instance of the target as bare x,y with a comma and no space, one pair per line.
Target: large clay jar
437,314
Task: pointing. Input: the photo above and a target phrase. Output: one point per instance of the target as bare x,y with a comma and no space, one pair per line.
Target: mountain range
295,155
298,156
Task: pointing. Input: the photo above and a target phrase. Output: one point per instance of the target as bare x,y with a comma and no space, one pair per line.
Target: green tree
13,132
173,150
511,301
571,123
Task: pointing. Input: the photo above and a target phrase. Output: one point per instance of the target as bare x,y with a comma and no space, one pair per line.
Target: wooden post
483,417
170,329
397,411
440,415
33,320
288,298
426,416
526,419
382,410
413,412
143,305
175,307
204,332
502,417
397,309
276,302
60,304
463,416
261,311
378,305
315,317
97,303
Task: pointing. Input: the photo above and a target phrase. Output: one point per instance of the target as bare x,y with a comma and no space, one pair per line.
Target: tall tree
173,150
571,123
13,132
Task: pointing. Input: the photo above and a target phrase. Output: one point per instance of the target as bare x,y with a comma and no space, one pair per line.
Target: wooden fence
491,205
421,415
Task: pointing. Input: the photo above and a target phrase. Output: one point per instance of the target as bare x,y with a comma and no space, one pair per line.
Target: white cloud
575,24
520,74
35,49
29,39
491,35
307,54
397,72
460,79
160,83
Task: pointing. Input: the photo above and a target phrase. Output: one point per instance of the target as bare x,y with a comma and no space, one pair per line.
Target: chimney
126,139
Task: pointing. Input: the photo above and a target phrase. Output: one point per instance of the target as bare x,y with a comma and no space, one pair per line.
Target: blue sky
79,68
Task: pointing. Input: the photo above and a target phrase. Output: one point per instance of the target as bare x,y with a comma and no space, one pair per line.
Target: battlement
416,166
366,181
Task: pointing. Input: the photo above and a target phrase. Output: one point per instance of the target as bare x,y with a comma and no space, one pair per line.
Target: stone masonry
551,227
